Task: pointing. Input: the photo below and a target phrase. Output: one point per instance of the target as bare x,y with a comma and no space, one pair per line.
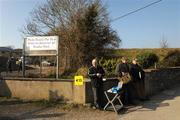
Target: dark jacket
136,72
95,80
122,67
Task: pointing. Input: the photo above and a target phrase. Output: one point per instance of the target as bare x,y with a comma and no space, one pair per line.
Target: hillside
129,53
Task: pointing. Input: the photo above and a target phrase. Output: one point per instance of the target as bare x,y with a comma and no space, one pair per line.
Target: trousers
98,96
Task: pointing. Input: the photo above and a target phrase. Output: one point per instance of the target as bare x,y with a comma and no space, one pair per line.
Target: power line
129,13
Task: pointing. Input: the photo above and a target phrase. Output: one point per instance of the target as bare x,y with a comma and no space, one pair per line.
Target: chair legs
117,96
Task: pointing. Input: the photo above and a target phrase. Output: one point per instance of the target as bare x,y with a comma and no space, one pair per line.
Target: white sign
39,43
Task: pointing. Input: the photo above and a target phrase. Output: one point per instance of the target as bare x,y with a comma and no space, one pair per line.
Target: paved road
164,106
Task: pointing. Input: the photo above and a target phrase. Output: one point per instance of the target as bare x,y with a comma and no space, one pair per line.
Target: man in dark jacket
96,74
138,75
121,70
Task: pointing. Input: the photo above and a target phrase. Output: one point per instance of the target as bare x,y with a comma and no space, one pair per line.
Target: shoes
94,107
97,106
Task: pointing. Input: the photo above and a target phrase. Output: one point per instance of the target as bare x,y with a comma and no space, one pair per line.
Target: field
131,53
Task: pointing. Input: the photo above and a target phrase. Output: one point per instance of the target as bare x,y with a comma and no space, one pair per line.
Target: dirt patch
17,110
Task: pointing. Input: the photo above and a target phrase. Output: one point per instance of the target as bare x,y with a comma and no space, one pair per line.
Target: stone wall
160,79
40,88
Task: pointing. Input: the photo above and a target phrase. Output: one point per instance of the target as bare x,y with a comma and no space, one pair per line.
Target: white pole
23,60
57,60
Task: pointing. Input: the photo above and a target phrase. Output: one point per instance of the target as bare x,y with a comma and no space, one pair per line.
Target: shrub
68,74
147,59
82,71
51,75
109,65
172,59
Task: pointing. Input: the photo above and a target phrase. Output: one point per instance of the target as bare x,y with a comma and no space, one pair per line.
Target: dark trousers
20,68
140,89
98,96
135,91
129,93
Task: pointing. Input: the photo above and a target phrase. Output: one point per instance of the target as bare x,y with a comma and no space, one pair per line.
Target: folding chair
116,92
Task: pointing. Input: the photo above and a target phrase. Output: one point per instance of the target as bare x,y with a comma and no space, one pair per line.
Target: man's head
94,62
123,59
134,61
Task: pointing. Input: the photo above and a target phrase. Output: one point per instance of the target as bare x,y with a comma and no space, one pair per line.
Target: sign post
23,59
41,46
57,62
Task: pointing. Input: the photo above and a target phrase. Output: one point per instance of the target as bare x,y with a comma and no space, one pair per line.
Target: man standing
10,64
20,64
122,68
122,72
138,76
96,74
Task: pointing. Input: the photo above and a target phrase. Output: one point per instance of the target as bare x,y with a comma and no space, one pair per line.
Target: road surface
163,106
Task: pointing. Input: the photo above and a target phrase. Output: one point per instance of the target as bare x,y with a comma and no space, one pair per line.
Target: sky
143,29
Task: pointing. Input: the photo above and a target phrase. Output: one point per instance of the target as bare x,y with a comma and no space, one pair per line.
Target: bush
51,75
147,59
109,65
68,74
172,59
82,71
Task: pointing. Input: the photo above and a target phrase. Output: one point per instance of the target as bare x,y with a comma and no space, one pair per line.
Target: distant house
5,50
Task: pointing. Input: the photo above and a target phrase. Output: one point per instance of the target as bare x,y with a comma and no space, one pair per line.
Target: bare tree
164,43
81,25
54,15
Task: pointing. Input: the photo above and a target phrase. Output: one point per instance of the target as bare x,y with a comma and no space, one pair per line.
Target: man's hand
98,75
123,73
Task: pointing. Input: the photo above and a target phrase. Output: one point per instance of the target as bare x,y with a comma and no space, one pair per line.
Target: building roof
5,49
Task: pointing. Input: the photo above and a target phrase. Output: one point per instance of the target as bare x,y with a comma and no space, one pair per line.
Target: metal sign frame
43,52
